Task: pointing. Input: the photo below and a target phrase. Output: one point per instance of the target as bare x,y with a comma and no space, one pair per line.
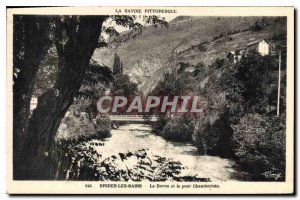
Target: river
132,137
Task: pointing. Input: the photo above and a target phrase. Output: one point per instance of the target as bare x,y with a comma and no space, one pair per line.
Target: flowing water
132,137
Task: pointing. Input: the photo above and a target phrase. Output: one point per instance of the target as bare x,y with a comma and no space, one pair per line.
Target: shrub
179,128
257,26
78,128
260,145
138,165
215,138
159,125
103,127
74,128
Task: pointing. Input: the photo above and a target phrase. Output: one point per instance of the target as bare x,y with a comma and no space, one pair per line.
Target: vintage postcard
150,100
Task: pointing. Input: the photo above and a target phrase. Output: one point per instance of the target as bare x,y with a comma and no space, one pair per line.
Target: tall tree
36,155
74,56
30,44
118,65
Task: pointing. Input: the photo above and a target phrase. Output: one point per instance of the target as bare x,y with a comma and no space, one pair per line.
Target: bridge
131,118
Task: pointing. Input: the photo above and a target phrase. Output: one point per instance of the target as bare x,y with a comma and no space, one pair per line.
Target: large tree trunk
83,34
30,45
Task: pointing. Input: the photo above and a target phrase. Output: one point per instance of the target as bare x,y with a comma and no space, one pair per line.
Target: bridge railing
129,116
138,118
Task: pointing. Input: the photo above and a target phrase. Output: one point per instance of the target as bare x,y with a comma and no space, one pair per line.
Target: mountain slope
188,39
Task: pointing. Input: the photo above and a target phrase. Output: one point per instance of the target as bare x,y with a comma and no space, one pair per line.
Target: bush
103,127
159,125
79,128
257,26
179,129
260,145
138,165
215,138
74,128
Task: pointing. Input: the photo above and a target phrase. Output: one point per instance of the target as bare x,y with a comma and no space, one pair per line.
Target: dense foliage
69,37
123,86
240,119
179,128
87,164
260,145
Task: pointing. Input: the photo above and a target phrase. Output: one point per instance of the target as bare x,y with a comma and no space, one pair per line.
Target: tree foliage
239,120
260,145
75,38
123,86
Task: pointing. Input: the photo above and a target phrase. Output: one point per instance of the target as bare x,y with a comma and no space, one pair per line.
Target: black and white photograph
150,100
